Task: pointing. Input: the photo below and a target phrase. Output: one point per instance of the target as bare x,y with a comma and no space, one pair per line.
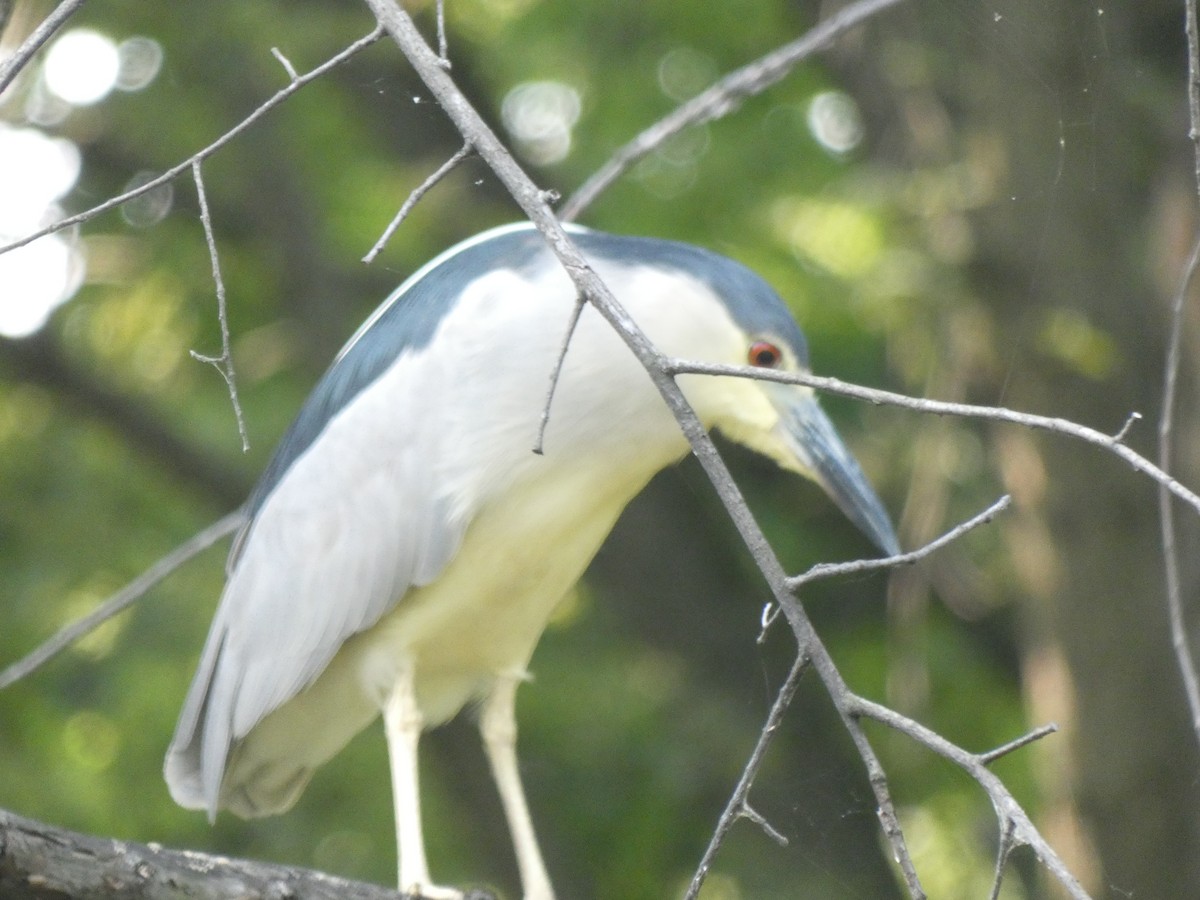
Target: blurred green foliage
650,688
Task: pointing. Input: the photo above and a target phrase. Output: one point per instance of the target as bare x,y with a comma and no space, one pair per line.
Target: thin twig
942,408
443,46
1180,642
15,63
418,192
177,170
224,362
1191,29
738,805
123,598
1023,741
721,99
1132,419
858,566
544,421
285,62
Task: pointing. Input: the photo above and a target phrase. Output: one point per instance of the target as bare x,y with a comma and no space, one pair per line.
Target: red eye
764,354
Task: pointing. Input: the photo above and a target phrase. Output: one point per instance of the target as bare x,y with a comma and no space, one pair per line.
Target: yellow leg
498,726
403,722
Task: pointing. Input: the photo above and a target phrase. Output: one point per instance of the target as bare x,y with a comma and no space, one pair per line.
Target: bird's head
698,305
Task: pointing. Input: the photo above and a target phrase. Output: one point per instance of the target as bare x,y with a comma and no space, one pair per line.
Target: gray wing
346,530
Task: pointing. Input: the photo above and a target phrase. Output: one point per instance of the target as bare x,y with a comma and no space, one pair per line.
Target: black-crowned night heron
405,546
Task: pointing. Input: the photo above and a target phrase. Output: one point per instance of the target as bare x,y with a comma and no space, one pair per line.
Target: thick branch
41,862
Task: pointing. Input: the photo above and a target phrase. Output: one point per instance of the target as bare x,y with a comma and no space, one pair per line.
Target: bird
405,546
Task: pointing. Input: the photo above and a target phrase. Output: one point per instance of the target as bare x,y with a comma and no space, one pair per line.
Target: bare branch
1192,32
856,567
122,599
42,862
15,63
177,170
418,192
721,99
533,202
285,62
942,408
1004,849
1180,643
443,47
224,362
544,421
832,570
1008,811
738,804
1023,741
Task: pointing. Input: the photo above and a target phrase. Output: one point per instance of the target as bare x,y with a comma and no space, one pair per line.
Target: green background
1010,231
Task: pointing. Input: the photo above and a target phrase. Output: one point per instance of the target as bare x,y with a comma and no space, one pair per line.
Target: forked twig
738,805
175,171
1008,811
534,202
224,362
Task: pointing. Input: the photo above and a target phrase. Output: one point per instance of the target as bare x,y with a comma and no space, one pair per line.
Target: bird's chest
482,616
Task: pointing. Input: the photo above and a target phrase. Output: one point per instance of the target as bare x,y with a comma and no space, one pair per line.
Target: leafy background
1009,231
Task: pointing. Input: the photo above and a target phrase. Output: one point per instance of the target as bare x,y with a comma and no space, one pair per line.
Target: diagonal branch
175,171
1008,811
122,599
418,192
1111,443
739,802
722,98
534,203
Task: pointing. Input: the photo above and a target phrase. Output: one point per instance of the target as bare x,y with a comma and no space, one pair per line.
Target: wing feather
352,524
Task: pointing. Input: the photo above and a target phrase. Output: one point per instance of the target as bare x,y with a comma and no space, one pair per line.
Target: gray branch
42,862
175,171
15,63
722,98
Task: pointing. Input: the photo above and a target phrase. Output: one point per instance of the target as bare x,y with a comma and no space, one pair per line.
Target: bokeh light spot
151,207
540,115
91,740
140,58
82,66
835,122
